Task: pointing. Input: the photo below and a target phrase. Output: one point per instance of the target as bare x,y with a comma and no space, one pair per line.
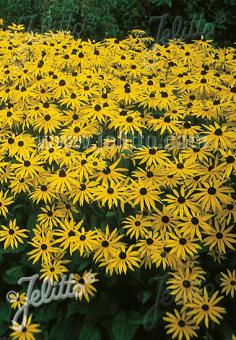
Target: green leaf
124,326
12,275
144,296
4,328
32,219
89,332
72,308
65,329
5,311
84,262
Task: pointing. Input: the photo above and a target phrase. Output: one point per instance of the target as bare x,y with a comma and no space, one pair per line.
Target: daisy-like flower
5,201
28,166
121,260
49,216
43,248
111,174
183,246
83,285
181,203
113,195
62,180
84,241
180,325
66,233
220,237
53,271
17,300
194,225
212,195
137,226
219,137
143,194
184,284
228,166
228,283
26,331
107,243
182,168
151,156
12,235
205,308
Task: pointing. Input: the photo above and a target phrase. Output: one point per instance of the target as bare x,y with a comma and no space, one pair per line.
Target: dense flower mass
127,131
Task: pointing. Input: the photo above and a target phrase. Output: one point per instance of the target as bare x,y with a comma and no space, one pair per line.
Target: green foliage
96,19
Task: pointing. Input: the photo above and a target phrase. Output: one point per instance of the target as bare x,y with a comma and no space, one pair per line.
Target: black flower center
181,199
211,191
129,119
230,159
107,170
75,117
122,255
97,107
62,82
150,174
218,132
105,244
186,283
195,220
181,323
10,140
149,241
143,191
62,173
219,235
26,164
180,165
182,241
165,219
164,94
152,151
82,187
47,117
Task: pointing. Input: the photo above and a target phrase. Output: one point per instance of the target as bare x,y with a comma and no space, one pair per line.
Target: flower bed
118,157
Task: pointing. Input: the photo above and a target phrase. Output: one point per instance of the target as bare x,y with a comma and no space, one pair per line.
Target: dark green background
97,19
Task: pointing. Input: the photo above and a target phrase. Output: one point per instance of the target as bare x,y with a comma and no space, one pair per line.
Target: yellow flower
25,331
205,308
12,235
228,282
83,285
4,202
180,325
121,260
